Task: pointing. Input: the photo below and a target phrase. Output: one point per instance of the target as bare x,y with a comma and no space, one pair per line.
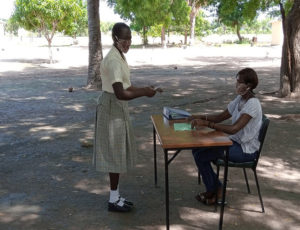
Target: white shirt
114,69
247,137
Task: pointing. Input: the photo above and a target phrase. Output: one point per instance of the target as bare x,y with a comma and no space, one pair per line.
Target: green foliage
252,7
243,13
243,9
155,31
273,9
235,16
255,27
180,20
203,27
106,26
11,26
180,13
232,13
178,29
79,25
269,4
258,27
219,28
148,15
50,16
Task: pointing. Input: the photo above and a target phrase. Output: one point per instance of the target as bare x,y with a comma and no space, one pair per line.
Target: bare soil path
47,181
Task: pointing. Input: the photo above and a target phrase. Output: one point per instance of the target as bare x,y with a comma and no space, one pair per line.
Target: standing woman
114,147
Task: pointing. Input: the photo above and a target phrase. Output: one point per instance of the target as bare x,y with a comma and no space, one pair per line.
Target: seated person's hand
190,118
197,123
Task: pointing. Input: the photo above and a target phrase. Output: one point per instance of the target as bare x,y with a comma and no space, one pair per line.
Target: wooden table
171,140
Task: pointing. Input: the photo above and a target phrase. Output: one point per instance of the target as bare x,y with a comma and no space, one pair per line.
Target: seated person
246,113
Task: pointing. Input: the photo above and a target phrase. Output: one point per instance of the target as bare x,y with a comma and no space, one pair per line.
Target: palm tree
95,45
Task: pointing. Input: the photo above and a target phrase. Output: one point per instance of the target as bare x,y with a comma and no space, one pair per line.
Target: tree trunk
75,41
193,14
185,37
163,37
49,38
238,32
145,39
95,46
290,60
50,50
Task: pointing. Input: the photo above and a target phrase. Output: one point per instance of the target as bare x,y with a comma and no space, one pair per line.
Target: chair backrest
262,134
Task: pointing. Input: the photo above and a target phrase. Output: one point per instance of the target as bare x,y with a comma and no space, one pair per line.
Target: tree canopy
151,12
289,10
50,16
236,13
79,24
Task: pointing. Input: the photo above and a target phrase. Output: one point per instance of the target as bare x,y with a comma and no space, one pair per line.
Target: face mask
241,89
123,45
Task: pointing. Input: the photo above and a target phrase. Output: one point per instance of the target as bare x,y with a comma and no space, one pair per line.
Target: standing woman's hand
149,91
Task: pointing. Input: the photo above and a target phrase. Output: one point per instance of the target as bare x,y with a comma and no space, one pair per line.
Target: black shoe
127,202
116,207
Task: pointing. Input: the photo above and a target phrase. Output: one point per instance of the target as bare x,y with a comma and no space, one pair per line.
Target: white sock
114,196
120,197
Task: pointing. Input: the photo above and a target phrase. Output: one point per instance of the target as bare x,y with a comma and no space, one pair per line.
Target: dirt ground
48,182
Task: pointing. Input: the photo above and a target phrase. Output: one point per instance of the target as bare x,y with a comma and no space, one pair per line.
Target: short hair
118,28
249,76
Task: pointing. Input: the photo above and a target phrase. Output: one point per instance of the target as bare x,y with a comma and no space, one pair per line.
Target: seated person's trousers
204,156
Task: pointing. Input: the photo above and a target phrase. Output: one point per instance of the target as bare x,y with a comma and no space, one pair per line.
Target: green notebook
182,126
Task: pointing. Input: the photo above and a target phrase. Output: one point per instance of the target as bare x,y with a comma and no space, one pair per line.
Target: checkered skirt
114,142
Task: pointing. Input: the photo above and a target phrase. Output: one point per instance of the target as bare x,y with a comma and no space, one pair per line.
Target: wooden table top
171,139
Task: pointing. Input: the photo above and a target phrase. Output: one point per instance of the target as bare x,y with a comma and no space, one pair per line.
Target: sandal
207,198
210,198
210,201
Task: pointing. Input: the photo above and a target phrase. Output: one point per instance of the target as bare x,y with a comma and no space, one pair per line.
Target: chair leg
258,189
218,173
199,178
246,179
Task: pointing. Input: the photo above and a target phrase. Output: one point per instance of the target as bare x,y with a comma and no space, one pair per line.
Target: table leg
167,189
155,162
224,187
